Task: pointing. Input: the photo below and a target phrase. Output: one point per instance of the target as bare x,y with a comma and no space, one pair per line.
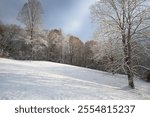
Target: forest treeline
54,46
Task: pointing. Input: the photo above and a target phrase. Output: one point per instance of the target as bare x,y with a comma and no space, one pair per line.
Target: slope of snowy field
47,80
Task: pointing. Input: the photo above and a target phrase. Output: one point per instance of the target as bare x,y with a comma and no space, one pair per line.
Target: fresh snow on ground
47,80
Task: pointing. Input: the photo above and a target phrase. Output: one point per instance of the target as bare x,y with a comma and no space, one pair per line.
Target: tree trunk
129,59
130,78
128,68
31,38
126,40
127,63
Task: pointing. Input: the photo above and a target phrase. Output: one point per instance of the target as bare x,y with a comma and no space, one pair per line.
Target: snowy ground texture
34,80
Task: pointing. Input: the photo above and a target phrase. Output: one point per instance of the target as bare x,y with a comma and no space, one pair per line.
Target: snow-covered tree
54,49
31,16
127,19
8,34
75,50
91,50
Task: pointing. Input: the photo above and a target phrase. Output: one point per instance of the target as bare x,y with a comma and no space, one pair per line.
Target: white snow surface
40,80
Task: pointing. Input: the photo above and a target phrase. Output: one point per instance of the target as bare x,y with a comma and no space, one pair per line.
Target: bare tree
75,51
89,52
54,49
127,19
31,16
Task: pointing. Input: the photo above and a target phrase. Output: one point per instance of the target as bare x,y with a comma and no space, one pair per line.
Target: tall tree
31,16
75,51
54,48
127,19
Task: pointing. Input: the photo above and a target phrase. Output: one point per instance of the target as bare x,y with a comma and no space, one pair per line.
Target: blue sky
72,16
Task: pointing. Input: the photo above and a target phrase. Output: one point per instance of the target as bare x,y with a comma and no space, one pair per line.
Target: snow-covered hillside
47,80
